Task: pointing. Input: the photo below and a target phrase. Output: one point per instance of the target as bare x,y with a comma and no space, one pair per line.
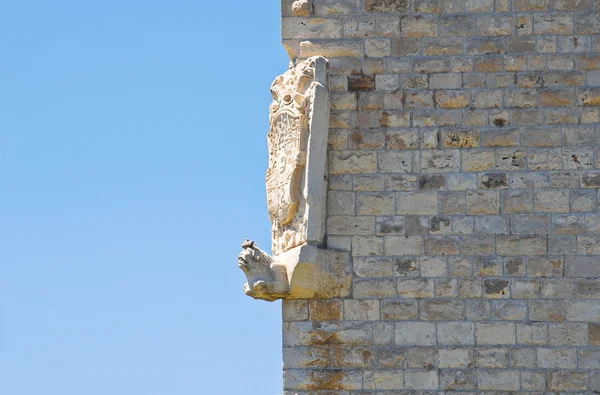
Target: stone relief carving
299,121
266,278
296,184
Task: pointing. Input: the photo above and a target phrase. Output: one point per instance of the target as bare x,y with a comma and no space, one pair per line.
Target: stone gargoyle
267,279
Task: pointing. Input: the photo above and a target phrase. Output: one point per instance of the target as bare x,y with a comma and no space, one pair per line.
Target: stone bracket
303,272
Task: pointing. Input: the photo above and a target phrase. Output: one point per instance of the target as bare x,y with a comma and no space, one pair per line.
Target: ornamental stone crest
297,194
296,177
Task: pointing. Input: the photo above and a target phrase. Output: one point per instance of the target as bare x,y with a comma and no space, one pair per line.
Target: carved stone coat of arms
298,129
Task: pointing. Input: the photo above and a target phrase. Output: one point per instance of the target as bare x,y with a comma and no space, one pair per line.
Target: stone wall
464,161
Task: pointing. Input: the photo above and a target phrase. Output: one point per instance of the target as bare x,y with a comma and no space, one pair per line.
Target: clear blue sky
132,162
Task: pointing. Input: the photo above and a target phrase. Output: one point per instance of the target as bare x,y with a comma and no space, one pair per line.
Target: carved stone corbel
303,272
297,194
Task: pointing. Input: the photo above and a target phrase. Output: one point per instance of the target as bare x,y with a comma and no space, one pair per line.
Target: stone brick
353,162
337,379
390,357
561,380
590,179
562,358
375,204
444,310
331,48
547,310
367,245
433,266
455,333
399,310
415,333
361,310
533,380
583,311
421,357
390,226
432,182
470,288
360,357
417,288
371,183
294,309
421,379
345,225
445,46
491,357
491,224
569,224
509,310
525,289
523,358
545,267
578,158
403,245
422,203
542,137
455,357
496,288
440,161
493,181
532,333
442,246
374,288
452,203
418,99
383,379
417,225
557,288
521,245
514,266
478,310
446,288
457,25
401,139
304,357
341,203
482,202
477,245
477,160
589,359
421,26
510,159
495,25
485,46
394,161
462,138
458,379
568,334
452,99
498,379
406,267
386,6
588,245
530,224
500,138
516,201
594,334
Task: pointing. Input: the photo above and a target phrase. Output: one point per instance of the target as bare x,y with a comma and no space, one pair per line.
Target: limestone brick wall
464,159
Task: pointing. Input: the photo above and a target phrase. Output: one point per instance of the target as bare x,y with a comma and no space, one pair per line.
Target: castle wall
464,170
